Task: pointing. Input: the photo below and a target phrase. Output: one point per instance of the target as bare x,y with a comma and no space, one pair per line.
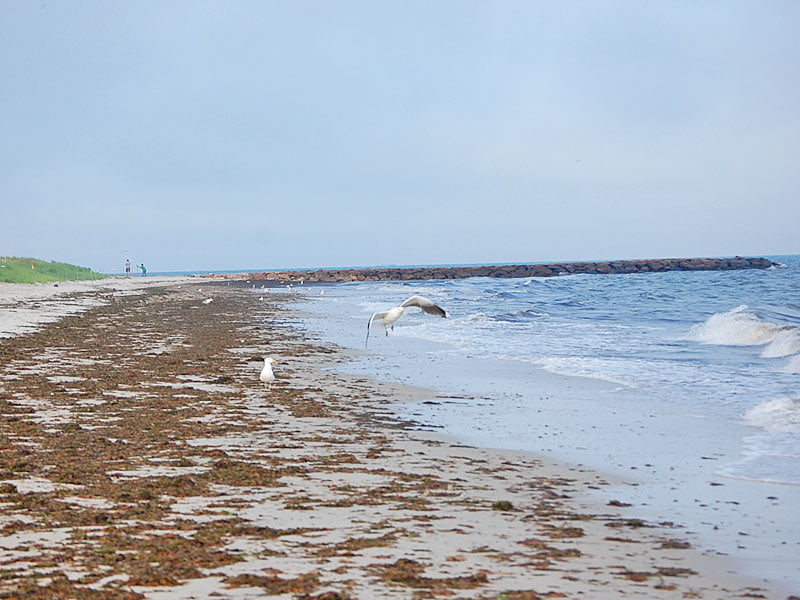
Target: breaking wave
793,365
741,327
785,343
781,414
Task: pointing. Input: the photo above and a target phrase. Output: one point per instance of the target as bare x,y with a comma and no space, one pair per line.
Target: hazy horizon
251,135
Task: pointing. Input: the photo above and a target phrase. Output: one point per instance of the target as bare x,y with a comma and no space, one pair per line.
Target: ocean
684,387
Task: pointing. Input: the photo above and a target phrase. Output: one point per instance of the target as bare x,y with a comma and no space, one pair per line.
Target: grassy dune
31,270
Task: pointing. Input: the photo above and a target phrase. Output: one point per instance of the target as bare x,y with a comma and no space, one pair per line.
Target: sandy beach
27,306
142,458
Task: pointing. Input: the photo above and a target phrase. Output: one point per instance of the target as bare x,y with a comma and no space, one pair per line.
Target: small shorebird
267,376
387,318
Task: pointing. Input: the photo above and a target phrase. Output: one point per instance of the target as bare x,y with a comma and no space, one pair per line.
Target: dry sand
25,306
141,458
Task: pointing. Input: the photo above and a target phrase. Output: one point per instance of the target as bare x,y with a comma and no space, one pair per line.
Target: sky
265,134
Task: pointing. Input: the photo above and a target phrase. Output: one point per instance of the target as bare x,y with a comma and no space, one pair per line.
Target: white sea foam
785,343
792,366
741,327
781,414
573,366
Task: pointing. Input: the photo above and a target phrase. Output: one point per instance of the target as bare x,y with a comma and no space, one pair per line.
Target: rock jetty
506,271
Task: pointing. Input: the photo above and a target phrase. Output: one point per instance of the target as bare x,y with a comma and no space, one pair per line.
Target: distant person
128,268
144,269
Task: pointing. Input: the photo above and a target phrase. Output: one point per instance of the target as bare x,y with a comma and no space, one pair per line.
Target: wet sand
142,458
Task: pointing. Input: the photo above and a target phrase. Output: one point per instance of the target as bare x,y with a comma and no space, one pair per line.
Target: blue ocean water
721,343
685,383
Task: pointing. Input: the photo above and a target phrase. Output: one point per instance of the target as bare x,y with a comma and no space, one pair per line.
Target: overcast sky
267,134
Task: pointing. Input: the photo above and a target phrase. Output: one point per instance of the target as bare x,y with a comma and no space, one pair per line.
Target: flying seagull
267,376
387,318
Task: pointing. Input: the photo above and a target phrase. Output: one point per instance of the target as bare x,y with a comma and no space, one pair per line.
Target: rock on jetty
507,271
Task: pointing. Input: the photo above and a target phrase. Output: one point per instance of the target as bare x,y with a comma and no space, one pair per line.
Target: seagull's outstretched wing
377,315
426,305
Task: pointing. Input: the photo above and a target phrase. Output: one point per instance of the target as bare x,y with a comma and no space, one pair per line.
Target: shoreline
752,522
672,466
314,488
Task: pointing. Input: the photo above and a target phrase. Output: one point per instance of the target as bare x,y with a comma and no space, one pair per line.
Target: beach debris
208,301
274,585
387,318
618,503
563,532
409,573
202,499
660,573
327,596
611,538
632,523
670,544
266,375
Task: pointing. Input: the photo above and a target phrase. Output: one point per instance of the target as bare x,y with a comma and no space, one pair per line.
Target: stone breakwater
505,271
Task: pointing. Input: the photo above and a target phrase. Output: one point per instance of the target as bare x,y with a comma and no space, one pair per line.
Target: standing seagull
267,376
388,317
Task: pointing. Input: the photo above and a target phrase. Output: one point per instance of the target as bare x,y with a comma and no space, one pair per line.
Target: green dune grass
31,270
